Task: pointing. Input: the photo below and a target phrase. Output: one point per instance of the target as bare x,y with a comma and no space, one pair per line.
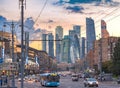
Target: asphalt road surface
66,82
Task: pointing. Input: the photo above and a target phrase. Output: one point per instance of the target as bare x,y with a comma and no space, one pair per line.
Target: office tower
77,30
50,45
75,43
58,38
82,48
66,49
90,33
104,32
44,38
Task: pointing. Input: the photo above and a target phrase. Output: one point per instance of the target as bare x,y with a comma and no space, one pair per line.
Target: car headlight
96,82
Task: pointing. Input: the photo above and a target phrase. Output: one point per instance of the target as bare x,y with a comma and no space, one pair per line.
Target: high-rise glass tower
75,43
77,30
58,38
90,33
83,47
66,50
44,38
50,45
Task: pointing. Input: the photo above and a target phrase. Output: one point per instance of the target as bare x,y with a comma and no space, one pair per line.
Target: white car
75,77
90,82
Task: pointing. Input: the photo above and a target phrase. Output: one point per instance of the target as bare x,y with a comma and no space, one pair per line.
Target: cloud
83,1
76,9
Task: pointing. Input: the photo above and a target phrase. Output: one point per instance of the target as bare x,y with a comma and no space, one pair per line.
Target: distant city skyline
66,13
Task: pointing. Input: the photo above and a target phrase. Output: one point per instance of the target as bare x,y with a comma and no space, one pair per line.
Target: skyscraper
104,32
82,48
90,33
58,38
50,45
44,38
75,43
77,30
66,50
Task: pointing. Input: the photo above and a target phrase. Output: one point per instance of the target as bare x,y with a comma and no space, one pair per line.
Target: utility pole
21,3
13,60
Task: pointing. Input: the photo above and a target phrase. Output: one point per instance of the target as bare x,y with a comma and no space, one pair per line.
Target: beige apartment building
103,49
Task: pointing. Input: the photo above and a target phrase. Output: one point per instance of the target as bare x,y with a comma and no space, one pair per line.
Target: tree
116,59
107,66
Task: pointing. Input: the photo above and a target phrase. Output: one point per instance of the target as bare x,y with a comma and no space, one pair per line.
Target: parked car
90,82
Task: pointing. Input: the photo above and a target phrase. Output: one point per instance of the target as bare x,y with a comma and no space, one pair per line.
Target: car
118,80
90,82
75,77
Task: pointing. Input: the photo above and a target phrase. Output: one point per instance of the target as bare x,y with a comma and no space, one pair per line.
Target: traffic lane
109,84
66,82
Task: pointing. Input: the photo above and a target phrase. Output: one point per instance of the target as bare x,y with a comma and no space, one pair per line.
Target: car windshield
91,79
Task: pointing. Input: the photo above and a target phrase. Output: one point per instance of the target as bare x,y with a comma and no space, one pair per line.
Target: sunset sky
47,14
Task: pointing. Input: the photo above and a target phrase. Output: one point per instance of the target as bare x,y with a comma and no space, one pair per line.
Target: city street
66,82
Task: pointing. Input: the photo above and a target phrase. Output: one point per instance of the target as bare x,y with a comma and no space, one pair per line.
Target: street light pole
101,59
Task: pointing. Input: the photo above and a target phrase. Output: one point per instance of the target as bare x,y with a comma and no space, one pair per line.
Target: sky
48,14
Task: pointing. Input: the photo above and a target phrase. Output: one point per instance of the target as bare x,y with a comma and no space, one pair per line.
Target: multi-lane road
66,82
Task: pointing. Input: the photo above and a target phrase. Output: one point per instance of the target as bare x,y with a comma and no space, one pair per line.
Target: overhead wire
112,12
41,11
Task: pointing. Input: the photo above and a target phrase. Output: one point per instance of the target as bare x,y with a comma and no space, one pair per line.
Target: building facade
58,38
50,44
82,48
90,33
44,38
66,56
103,50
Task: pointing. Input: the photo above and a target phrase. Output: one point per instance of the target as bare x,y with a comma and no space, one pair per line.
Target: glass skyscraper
66,50
75,43
44,38
83,47
90,33
50,45
58,38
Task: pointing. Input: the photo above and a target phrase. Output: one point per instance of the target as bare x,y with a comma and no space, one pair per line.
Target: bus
50,79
